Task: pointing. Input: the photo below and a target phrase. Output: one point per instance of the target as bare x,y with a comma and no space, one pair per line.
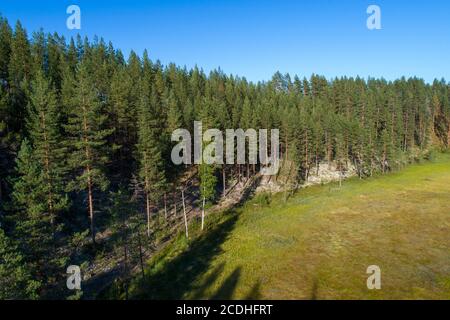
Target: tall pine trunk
91,204
48,176
89,182
147,200
125,249
147,196
141,256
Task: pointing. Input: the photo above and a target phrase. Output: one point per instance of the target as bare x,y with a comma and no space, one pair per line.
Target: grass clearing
319,243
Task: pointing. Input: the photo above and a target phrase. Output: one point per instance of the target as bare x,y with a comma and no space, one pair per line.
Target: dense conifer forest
85,144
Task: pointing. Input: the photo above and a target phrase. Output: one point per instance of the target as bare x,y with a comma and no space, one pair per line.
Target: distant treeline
78,123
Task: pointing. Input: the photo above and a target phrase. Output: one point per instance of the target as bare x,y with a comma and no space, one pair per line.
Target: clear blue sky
255,38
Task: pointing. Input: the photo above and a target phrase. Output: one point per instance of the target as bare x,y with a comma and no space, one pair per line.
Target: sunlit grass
319,243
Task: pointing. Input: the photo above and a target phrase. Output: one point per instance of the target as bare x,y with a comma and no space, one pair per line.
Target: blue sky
255,38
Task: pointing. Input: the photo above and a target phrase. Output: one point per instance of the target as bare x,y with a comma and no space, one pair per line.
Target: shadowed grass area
319,243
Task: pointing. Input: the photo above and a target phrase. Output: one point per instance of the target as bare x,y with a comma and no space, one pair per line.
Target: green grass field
319,243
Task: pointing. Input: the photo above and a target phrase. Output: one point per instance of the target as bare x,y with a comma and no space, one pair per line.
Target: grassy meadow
319,243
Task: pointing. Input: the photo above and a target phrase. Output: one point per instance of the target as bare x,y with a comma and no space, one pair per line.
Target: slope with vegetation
318,244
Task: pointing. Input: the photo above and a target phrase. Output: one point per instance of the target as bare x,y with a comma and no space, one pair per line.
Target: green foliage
87,135
15,279
78,122
263,199
33,220
208,181
149,145
44,129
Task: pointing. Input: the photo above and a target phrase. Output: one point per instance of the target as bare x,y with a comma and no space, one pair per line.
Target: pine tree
15,279
208,182
87,138
38,51
341,155
123,120
6,154
174,113
32,219
174,121
248,121
19,71
386,150
5,49
55,50
45,132
12,103
151,166
206,171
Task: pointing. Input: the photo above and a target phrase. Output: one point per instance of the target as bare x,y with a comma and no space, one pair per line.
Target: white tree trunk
203,213
185,217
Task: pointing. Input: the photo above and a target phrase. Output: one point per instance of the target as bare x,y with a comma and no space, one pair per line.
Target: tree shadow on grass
255,292
200,292
225,292
228,287
314,289
178,276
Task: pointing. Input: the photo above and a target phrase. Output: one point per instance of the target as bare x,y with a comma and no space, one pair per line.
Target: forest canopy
85,139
